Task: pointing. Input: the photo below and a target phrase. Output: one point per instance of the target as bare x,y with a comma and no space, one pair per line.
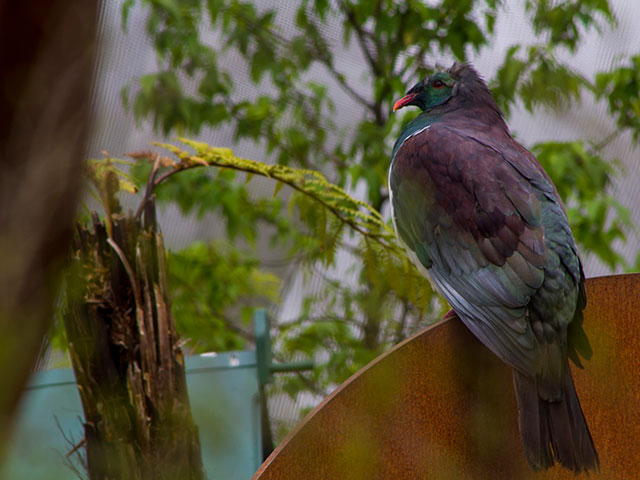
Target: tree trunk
125,354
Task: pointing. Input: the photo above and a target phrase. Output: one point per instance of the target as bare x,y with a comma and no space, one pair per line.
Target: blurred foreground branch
47,57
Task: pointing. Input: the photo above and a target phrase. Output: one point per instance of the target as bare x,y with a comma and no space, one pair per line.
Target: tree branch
150,186
384,239
597,147
361,35
340,78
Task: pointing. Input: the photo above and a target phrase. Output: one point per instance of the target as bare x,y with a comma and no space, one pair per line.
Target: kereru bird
481,219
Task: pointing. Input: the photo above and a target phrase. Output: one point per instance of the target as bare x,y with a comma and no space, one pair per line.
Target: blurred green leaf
583,180
621,88
565,21
208,283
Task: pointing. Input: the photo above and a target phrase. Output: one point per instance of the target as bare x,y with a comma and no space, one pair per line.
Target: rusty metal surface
440,405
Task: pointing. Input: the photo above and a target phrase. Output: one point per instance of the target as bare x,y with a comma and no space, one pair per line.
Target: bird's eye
437,84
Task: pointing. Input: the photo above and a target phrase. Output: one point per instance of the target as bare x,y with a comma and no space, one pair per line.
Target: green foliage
211,287
583,179
534,75
292,117
537,79
621,88
562,20
356,323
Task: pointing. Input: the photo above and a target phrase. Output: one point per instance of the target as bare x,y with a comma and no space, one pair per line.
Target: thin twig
374,63
311,386
79,445
340,78
361,35
606,141
150,186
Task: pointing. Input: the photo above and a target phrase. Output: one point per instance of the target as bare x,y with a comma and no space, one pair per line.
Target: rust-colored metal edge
608,318
329,398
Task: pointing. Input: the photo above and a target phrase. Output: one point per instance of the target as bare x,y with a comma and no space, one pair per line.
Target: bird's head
430,92
457,87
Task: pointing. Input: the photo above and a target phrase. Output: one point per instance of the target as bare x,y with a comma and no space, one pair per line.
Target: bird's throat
419,124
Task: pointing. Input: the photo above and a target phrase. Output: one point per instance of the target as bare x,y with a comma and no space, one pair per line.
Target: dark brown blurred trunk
125,354
47,54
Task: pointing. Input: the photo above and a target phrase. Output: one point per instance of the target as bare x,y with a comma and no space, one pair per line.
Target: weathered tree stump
125,354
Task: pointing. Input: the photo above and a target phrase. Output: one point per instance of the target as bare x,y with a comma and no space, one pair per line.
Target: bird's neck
471,109
415,126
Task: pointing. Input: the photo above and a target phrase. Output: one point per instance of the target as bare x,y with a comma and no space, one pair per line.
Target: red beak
404,101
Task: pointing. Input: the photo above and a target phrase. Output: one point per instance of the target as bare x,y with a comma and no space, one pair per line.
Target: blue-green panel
223,391
224,400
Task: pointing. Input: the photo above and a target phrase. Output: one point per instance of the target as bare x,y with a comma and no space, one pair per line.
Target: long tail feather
554,430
